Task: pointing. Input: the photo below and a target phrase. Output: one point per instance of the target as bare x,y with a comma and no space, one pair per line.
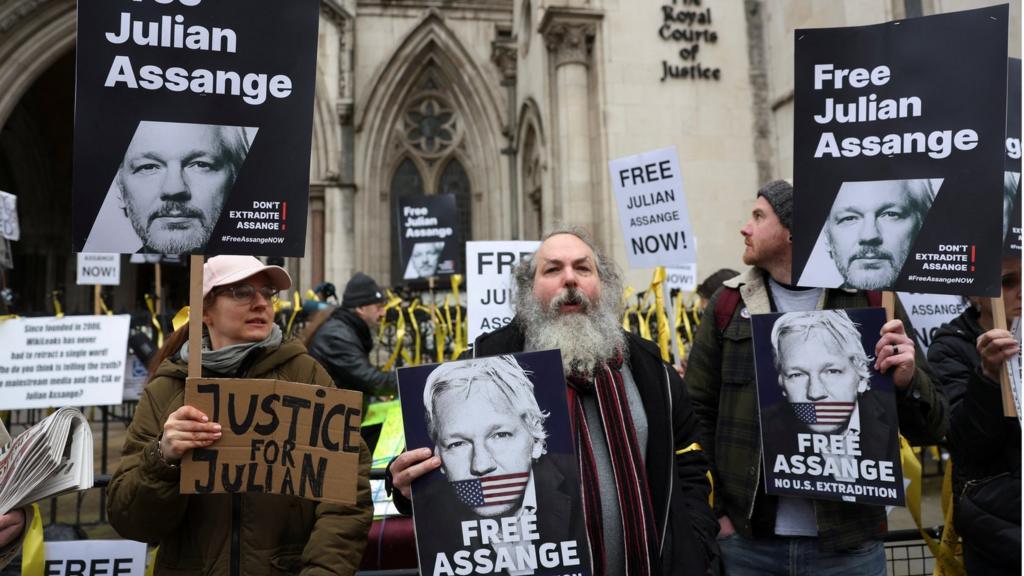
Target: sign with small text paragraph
489,283
652,209
71,361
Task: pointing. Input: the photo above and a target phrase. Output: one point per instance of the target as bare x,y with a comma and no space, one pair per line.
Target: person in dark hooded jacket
966,357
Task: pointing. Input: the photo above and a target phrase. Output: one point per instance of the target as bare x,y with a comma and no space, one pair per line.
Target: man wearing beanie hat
762,534
344,340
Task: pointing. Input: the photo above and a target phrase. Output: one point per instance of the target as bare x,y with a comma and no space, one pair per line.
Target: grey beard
586,339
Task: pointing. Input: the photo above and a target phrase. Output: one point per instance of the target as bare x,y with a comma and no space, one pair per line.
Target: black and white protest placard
683,278
427,238
828,418
95,558
193,126
928,312
490,291
1011,171
102,269
652,209
70,361
10,229
506,499
897,165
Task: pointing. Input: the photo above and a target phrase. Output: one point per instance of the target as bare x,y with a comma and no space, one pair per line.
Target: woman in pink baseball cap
233,534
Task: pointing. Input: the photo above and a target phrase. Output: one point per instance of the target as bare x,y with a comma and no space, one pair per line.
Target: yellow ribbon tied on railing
296,308
460,344
180,319
394,302
151,306
58,310
912,472
439,331
678,315
664,338
417,338
33,555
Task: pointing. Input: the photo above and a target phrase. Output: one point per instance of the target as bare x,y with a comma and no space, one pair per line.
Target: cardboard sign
277,438
102,269
683,278
898,183
9,227
928,312
509,480
1011,170
652,209
95,558
489,286
427,236
70,361
193,126
828,418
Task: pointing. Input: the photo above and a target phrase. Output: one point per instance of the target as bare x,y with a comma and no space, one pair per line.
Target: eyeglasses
245,293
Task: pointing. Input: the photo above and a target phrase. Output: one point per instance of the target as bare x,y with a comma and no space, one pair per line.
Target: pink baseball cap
224,270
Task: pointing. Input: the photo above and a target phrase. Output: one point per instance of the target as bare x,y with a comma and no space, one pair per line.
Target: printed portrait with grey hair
506,499
170,188
828,417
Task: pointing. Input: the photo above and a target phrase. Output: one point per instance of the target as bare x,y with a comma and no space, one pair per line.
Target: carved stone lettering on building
688,24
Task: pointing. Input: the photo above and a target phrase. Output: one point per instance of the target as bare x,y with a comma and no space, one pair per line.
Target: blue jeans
798,557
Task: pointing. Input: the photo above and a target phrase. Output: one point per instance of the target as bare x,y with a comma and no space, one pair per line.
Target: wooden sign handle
889,303
999,321
195,316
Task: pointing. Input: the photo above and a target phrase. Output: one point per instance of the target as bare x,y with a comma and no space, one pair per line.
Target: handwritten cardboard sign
278,438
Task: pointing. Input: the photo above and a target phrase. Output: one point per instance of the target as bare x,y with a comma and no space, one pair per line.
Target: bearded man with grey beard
645,489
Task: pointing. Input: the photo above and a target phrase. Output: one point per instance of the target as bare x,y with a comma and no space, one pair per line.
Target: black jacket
677,477
342,345
953,356
985,446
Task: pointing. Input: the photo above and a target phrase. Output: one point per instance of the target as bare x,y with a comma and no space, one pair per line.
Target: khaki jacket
231,533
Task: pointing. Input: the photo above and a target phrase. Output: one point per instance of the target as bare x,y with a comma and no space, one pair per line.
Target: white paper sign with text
95,558
104,269
683,278
70,361
489,283
652,209
928,312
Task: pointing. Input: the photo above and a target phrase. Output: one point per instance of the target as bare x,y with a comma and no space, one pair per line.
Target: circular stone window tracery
431,127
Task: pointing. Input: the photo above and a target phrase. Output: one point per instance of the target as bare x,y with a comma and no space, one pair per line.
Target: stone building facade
514,106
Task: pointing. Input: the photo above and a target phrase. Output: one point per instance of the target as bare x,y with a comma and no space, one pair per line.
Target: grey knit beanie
779,193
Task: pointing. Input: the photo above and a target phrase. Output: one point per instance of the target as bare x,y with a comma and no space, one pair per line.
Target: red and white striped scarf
640,534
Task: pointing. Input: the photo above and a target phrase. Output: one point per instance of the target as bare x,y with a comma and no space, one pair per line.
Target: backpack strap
726,306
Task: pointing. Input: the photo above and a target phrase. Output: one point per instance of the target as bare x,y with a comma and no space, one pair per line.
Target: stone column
569,38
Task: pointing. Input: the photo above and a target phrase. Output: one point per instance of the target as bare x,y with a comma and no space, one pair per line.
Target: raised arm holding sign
245,437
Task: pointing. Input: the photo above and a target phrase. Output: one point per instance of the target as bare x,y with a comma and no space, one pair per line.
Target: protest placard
193,126
828,418
277,438
928,312
70,361
489,286
507,496
652,209
101,269
10,229
1013,370
95,558
1011,170
427,236
897,181
683,278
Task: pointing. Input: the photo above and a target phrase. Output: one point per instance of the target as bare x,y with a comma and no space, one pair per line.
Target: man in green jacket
763,534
